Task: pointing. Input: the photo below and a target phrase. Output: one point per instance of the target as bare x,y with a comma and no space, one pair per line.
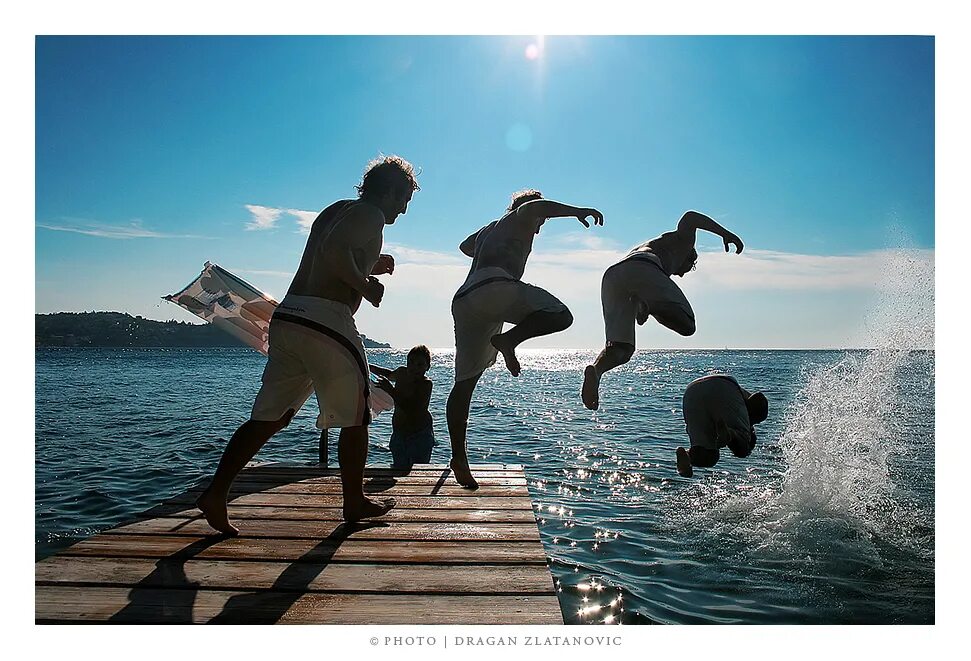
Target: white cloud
813,300
264,218
305,219
133,230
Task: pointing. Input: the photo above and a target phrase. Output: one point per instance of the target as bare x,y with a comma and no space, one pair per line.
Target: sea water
830,520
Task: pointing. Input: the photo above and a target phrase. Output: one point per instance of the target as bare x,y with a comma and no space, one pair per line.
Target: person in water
718,413
412,437
314,344
640,286
494,293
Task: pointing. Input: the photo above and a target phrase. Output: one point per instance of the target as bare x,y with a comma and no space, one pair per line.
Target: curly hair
388,173
522,197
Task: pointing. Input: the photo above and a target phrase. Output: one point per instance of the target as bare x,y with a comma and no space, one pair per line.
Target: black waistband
498,278
329,332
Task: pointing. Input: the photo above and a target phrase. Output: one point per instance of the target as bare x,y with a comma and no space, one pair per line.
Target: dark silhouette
718,413
412,436
314,344
493,294
118,329
640,286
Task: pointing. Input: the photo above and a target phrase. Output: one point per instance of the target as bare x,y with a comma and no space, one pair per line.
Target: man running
314,344
493,293
640,286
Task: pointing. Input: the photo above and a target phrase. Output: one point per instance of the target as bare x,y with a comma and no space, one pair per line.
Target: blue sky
155,154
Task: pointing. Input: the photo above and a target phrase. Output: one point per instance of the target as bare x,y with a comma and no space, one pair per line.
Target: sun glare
534,51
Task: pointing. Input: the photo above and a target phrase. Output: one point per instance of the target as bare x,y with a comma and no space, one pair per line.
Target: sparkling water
830,520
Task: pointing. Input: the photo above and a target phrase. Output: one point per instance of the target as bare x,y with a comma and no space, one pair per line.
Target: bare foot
643,312
463,474
508,351
214,509
590,392
684,463
368,509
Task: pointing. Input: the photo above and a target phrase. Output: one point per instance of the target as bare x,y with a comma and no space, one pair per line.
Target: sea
829,521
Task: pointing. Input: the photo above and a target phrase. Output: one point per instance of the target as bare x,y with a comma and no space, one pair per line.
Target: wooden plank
73,604
333,513
308,550
383,530
406,480
381,469
487,491
444,555
334,500
309,577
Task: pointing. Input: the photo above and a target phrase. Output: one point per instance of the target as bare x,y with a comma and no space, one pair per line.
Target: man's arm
357,240
692,220
536,210
468,245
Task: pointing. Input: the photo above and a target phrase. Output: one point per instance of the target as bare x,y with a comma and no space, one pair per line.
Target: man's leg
352,456
614,355
243,446
697,455
457,416
675,314
534,325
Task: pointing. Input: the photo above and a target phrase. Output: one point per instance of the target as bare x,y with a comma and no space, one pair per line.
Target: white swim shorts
489,298
633,281
315,346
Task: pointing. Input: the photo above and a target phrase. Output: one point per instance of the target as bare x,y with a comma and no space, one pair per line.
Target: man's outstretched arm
540,209
693,220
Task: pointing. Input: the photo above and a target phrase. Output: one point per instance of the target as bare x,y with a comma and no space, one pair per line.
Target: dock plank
302,577
444,555
78,604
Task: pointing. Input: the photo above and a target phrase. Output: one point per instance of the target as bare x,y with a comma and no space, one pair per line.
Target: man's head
521,197
758,408
389,183
419,360
688,264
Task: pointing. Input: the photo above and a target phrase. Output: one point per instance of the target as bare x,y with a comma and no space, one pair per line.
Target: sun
535,49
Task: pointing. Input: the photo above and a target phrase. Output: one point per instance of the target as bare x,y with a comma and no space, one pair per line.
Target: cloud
264,218
809,300
133,230
305,219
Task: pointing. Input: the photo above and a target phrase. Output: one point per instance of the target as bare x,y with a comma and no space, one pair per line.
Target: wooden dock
444,555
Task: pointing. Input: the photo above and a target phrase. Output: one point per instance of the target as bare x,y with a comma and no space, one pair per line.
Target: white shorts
489,298
632,282
315,346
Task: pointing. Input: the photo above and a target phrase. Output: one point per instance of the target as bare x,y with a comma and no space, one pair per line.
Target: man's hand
373,291
598,218
729,239
384,265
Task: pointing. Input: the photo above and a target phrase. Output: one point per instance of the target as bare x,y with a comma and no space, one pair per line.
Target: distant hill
118,329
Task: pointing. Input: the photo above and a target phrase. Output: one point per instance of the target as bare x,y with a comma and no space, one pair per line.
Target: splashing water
850,458
846,423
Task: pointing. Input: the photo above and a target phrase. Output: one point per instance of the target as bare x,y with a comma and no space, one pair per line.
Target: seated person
718,413
412,436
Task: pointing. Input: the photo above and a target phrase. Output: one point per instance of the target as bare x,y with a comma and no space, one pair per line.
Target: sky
157,154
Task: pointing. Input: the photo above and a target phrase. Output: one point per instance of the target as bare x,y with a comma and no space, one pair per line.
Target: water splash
846,425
